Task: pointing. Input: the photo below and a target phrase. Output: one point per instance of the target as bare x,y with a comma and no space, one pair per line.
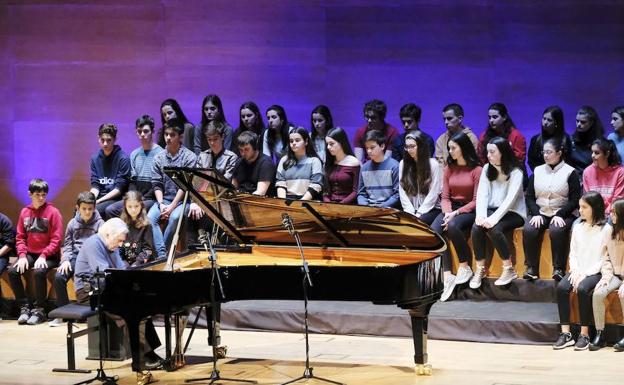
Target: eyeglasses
143,131
548,152
409,146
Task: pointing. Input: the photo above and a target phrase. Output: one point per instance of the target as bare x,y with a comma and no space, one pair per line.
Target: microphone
287,223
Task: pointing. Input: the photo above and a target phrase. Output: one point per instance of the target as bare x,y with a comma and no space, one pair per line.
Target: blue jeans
159,238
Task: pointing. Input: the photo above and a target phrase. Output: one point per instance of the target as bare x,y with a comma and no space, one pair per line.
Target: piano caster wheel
424,369
144,378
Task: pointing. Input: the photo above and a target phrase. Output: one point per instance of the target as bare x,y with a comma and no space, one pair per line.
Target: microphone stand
215,279
307,373
101,375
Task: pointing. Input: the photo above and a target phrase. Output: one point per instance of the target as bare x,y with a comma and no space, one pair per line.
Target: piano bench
72,313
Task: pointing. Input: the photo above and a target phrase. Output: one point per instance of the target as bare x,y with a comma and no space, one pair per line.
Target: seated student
275,141
500,124
170,109
410,119
216,157
98,253
552,127
606,174
255,173
617,136
321,123
138,248
588,128
250,120
342,169
110,170
375,115
212,111
459,200
168,195
421,179
500,208
612,274
300,171
379,177
585,262
7,241
453,115
552,198
84,224
38,242
141,164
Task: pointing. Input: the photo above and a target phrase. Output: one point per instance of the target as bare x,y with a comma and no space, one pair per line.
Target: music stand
101,375
215,279
307,372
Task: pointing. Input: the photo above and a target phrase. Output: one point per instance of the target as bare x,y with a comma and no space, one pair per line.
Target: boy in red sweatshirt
38,241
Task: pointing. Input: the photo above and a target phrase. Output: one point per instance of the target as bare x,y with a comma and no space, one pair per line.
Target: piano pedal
221,351
424,369
145,377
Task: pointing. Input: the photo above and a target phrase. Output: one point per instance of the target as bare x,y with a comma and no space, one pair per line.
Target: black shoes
564,340
619,346
530,274
598,342
558,274
152,361
582,342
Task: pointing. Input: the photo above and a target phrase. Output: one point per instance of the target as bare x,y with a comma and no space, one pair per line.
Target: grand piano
354,253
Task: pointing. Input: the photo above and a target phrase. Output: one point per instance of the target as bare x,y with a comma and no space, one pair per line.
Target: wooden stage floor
28,354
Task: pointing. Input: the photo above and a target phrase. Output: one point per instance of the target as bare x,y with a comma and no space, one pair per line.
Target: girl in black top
139,245
552,127
588,128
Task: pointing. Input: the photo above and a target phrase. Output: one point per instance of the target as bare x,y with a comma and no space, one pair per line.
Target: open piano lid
253,219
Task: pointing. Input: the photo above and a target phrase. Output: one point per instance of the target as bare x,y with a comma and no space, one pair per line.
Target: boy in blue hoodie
110,170
84,224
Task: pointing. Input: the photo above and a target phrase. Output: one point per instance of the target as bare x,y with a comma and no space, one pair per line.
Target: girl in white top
585,263
500,208
421,179
612,273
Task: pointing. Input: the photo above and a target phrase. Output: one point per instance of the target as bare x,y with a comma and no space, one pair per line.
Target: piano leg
419,317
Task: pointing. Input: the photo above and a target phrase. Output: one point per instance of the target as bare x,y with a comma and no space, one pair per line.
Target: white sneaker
449,286
463,275
56,322
478,276
509,274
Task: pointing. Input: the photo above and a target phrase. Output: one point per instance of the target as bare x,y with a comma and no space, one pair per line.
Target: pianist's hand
40,263
65,268
195,212
21,265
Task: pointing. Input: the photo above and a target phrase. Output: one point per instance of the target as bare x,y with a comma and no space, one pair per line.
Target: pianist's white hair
112,228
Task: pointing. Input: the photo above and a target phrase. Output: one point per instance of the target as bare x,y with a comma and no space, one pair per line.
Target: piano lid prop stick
288,225
176,235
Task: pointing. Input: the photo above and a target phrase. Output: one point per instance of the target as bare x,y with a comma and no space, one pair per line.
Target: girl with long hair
275,143
300,171
612,273
342,169
617,122
421,179
584,274
500,209
250,119
606,174
170,109
138,247
321,122
552,127
212,111
459,200
552,200
500,124
588,128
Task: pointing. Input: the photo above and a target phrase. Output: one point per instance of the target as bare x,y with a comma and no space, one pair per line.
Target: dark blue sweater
110,172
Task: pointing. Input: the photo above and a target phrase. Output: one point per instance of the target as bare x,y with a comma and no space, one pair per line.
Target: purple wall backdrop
68,66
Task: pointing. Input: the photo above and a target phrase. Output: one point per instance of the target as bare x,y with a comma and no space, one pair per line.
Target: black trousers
559,242
41,282
457,233
496,234
584,295
430,216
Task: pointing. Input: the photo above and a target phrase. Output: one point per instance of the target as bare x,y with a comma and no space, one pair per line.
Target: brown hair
141,220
